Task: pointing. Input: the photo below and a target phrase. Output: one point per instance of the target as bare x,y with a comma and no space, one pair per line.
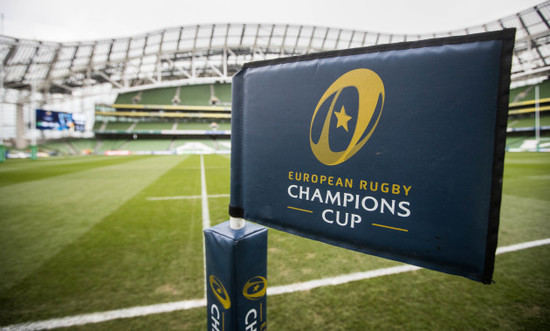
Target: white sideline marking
205,218
108,315
517,247
187,197
338,280
204,197
198,303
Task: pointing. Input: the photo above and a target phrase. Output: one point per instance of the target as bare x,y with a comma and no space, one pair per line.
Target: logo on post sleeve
255,288
219,291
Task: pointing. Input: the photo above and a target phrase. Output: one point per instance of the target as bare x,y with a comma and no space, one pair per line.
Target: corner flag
393,150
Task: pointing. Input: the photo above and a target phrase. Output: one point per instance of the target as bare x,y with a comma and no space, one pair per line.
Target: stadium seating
154,126
57,148
121,126
164,119
120,133
146,145
98,125
110,145
194,95
526,93
160,121
83,146
528,121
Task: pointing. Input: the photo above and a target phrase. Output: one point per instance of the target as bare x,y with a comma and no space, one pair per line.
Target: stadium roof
214,52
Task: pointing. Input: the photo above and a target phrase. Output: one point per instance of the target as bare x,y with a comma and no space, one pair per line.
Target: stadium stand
57,148
528,122
145,117
136,133
527,93
154,125
99,125
529,118
83,146
110,145
174,83
118,126
146,145
197,95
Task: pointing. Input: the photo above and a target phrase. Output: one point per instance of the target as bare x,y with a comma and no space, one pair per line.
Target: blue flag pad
394,150
236,277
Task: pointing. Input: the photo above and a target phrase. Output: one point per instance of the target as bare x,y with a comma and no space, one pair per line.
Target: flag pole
236,223
236,276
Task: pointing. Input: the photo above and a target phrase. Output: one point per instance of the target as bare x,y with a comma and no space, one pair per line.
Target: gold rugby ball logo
255,288
370,89
219,291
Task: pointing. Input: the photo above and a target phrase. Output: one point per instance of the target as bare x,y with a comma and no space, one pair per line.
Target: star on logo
343,119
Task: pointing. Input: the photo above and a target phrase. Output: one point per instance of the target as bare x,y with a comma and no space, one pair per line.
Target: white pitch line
517,247
339,280
198,303
187,197
108,315
204,197
205,218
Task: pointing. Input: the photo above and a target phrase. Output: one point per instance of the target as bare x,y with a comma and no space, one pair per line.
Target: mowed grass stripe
19,171
523,217
136,255
525,208
418,300
40,217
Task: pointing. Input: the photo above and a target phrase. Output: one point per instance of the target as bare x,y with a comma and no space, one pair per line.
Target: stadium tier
152,120
147,126
175,83
175,120
194,95
529,118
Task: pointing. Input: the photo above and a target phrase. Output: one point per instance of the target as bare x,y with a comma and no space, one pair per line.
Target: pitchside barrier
393,150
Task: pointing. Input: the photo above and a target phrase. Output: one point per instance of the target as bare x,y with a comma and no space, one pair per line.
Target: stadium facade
77,76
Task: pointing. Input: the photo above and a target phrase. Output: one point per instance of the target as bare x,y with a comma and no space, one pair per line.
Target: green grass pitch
79,235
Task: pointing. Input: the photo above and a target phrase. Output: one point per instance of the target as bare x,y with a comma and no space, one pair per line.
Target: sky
84,20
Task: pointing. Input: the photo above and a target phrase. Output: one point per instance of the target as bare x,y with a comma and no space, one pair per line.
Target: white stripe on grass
198,303
339,280
518,247
204,197
205,218
109,315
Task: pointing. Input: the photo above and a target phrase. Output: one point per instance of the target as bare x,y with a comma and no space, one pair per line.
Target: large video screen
60,121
